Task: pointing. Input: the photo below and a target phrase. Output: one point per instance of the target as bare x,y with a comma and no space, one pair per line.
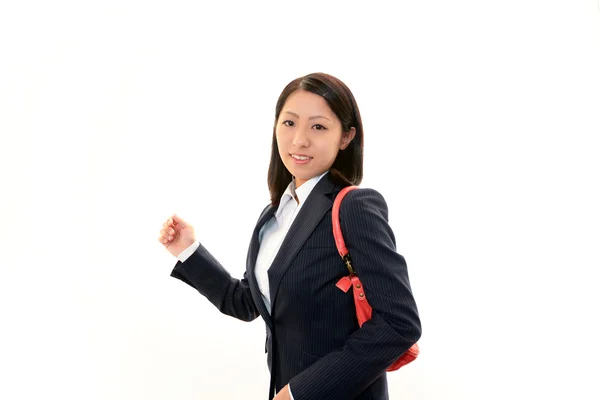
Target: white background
481,119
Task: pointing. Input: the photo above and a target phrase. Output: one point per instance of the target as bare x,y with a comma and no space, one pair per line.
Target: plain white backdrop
481,119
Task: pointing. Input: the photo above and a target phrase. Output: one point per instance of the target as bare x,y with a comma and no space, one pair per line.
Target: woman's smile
301,158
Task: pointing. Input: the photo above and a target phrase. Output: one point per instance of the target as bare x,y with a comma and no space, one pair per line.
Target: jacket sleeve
395,324
230,295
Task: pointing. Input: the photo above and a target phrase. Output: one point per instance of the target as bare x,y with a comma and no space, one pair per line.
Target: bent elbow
416,333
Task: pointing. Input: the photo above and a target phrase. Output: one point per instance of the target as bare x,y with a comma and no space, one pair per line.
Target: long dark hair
347,169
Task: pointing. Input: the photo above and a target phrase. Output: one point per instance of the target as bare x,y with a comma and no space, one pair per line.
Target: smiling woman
308,148
314,341
317,128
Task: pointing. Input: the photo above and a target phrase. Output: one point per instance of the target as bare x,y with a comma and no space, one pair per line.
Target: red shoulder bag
363,309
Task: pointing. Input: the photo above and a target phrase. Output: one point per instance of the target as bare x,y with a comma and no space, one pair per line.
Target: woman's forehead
303,104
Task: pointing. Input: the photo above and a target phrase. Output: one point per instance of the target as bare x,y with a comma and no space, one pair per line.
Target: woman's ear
347,138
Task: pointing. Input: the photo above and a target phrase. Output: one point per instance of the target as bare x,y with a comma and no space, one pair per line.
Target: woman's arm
204,273
395,325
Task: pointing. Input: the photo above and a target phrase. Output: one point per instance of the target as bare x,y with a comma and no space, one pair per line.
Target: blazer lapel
251,263
312,211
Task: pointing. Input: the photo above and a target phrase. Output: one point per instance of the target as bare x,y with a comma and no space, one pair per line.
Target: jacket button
358,286
362,295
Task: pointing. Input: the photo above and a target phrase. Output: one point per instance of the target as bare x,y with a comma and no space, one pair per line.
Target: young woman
315,347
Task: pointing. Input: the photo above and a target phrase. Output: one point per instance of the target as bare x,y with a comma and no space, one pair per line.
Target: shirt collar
302,192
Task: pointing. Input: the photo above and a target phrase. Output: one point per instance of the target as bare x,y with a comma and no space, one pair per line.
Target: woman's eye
320,127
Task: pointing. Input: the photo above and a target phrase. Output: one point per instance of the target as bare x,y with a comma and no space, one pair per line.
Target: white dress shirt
272,233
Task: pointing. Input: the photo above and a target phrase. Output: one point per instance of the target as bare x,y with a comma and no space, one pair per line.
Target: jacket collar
318,202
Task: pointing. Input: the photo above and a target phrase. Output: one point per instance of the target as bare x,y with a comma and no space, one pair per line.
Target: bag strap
337,230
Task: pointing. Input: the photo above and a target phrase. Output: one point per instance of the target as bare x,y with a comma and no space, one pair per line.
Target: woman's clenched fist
176,235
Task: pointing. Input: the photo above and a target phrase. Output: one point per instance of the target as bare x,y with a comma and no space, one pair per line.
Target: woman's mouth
300,158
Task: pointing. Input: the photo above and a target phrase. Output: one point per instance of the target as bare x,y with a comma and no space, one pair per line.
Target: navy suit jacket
313,339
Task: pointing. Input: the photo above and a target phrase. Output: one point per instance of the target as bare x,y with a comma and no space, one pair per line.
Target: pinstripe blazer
313,339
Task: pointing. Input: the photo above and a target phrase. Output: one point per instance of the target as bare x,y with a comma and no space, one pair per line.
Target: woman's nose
300,138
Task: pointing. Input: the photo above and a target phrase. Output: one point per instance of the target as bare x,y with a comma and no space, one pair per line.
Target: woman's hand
176,235
284,394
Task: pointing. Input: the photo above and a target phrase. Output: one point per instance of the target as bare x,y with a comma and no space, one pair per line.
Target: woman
315,347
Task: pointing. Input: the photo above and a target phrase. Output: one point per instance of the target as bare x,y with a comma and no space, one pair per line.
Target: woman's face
309,135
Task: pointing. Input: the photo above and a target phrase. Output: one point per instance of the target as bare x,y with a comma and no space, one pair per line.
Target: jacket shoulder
364,200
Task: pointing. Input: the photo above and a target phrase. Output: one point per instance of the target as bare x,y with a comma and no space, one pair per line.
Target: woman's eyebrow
313,117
